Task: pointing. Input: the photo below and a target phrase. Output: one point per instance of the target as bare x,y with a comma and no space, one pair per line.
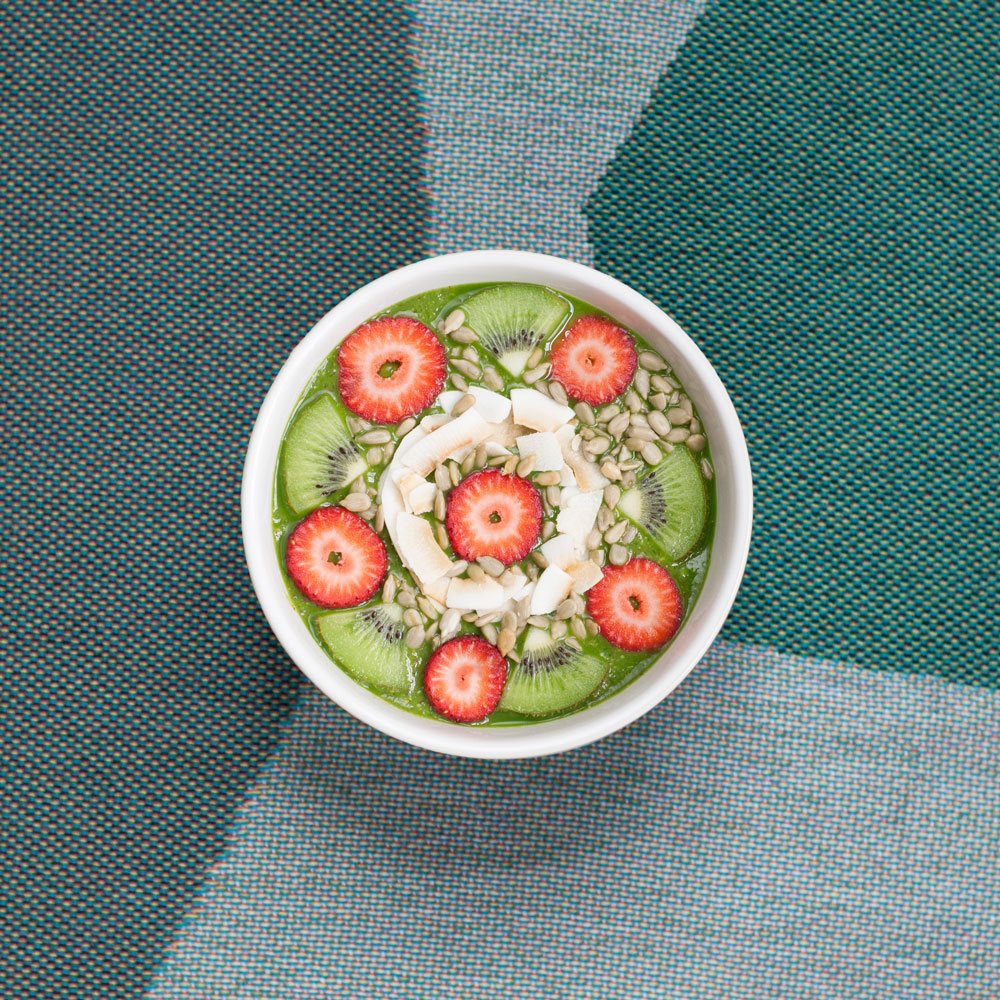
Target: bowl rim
531,739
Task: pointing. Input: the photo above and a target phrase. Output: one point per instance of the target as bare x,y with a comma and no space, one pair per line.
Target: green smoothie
579,476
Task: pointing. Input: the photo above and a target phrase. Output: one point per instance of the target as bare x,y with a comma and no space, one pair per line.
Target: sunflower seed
457,568
509,620
597,446
651,362
604,521
614,533
617,555
593,539
675,398
631,465
558,393
634,443
431,631
588,433
428,608
553,494
629,478
441,478
492,566
608,412
584,412
406,598
659,383
510,465
356,502
548,530
492,379
415,637
542,388
357,426
464,335
597,556
538,621
659,400
706,469
642,433
531,376
505,640
378,436
638,420
459,383
467,402
678,415
696,442
532,572
559,629
468,368
632,401
470,354
574,642
534,357
611,471
468,462
612,494
650,453
527,465
476,572
440,505
389,589
379,518
496,460
642,382
359,486
470,617
412,617
687,406
373,456
548,479
489,633
695,426
539,559
630,533
480,459
453,321
617,425
449,622
442,535
566,609
659,423
577,627
388,450
678,434
455,473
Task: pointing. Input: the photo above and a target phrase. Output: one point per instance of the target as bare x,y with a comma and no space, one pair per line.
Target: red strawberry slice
637,606
594,360
490,514
335,559
464,678
391,368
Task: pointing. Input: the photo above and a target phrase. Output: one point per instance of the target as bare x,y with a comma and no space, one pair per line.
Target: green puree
623,667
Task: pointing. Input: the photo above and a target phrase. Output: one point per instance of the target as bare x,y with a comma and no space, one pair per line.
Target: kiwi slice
320,456
512,320
552,676
368,643
670,504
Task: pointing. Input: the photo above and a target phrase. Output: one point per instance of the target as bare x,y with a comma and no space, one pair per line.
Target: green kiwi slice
669,504
512,320
320,456
368,643
552,676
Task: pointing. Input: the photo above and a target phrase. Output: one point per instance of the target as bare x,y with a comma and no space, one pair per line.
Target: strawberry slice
490,514
464,678
594,360
335,559
637,606
391,368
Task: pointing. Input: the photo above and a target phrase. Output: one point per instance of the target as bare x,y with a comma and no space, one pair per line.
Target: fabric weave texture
810,190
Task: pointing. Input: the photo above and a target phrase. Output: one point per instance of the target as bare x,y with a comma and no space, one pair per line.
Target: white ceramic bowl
734,492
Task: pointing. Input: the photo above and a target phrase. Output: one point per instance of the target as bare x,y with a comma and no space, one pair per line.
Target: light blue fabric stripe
526,103
779,828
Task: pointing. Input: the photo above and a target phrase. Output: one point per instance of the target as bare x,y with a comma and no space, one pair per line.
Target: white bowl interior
734,503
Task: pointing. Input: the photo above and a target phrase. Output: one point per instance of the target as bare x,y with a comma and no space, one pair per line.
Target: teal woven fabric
811,190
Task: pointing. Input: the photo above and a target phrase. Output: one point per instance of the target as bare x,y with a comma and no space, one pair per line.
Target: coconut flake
544,445
551,589
419,550
538,411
